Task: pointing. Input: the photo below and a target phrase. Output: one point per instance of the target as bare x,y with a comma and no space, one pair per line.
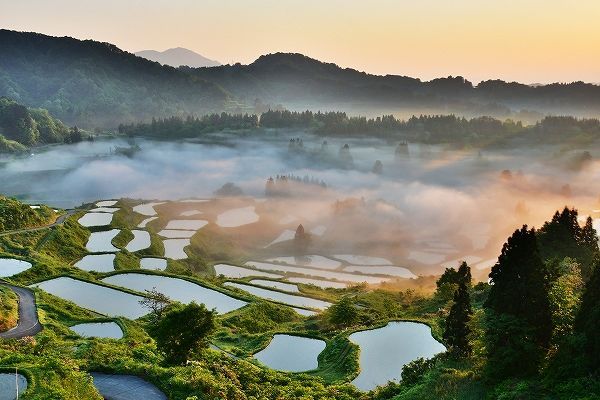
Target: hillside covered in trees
91,84
300,82
21,127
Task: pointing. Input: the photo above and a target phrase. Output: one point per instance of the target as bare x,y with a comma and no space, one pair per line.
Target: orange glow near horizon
531,41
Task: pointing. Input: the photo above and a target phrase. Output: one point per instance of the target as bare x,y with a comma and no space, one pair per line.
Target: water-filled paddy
318,282
146,221
106,203
306,313
186,224
190,213
390,270
97,262
125,387
11,266
147,209
340,276
174,248
426,257
237,217
176,234
313,261
384,351
318,230
291,353
232,271
177,289
286,287
95,219
288,219
100,242
140,241
298,301
153,263
109,330
363,260
9,383
97,298
104,210
286,235
486,264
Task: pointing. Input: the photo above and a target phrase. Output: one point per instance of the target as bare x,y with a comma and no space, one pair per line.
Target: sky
530,41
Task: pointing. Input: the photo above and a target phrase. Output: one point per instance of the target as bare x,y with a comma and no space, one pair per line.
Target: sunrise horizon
532,43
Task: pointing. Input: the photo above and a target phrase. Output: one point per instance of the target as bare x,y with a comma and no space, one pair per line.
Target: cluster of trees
423,128
180,331
288,185
542,309
178,127
29,127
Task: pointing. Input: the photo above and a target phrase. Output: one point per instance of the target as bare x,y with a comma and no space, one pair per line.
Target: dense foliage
90,83
457,331
17,215
183,331
28,127
300,82
424,128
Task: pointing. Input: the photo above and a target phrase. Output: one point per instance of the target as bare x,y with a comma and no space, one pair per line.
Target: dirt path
28,324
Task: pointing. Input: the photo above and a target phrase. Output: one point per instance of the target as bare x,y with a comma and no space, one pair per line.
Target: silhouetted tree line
190,126
424,128
285,185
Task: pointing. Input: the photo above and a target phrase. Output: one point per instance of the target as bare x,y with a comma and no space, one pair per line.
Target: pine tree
589,236
518,309
457,331
588,319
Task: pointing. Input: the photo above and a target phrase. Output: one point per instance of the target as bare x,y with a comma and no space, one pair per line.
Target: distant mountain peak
178,56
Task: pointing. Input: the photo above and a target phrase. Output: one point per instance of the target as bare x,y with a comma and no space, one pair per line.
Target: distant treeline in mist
21,127
429,129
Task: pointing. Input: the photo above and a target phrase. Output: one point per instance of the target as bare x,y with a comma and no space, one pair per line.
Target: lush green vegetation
21,127
16,215
9,313
531,334
448,129
91,84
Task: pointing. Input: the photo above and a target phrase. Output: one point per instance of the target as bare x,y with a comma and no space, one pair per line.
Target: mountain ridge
178,56
96,84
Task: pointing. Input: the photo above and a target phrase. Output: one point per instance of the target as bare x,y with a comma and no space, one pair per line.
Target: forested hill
300,82
21,127
94,84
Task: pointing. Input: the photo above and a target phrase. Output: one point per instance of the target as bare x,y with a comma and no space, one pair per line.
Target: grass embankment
15,215
9,309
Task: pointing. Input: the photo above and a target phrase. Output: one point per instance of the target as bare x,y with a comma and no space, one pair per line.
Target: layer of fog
454,202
